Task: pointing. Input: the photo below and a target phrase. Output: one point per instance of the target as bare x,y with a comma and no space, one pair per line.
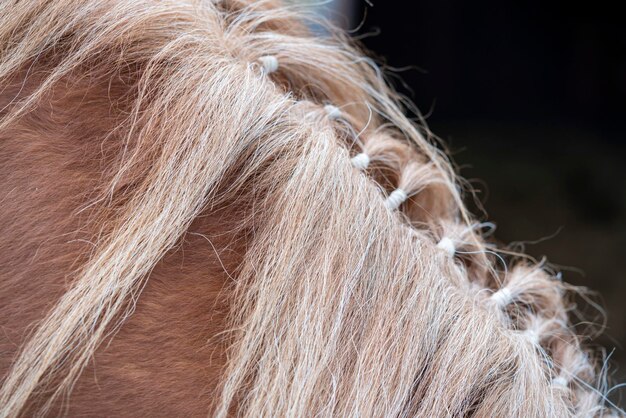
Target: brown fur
50,164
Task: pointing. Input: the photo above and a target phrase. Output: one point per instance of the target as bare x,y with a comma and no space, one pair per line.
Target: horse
209,208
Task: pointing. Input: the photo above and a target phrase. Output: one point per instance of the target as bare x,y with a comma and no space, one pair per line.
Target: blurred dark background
530,97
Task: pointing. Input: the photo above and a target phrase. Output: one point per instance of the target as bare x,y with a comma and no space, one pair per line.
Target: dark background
530,97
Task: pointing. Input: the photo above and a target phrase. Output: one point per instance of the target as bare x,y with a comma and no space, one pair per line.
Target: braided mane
358,283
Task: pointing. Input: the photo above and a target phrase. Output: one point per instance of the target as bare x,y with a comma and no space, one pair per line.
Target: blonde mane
358,283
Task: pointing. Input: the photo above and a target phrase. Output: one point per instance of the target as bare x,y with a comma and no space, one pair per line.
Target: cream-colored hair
366,288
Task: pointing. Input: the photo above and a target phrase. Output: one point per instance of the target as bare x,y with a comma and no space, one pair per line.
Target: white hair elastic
560,381
396,198
333,112
447,245
502,297
269,63
360,161
532,335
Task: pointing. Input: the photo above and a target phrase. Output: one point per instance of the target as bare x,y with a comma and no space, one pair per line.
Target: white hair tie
361,161
447,245
333,112
395,199
269,63
502,297
560,381
533,336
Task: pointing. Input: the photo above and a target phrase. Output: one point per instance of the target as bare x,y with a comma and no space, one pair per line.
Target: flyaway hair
227,136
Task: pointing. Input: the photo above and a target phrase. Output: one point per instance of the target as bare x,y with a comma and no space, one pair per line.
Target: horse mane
357,281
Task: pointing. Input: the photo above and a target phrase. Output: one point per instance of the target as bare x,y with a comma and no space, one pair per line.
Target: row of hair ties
361,161
501,298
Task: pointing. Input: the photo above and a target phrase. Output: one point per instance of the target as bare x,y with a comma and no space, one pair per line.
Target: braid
527,303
